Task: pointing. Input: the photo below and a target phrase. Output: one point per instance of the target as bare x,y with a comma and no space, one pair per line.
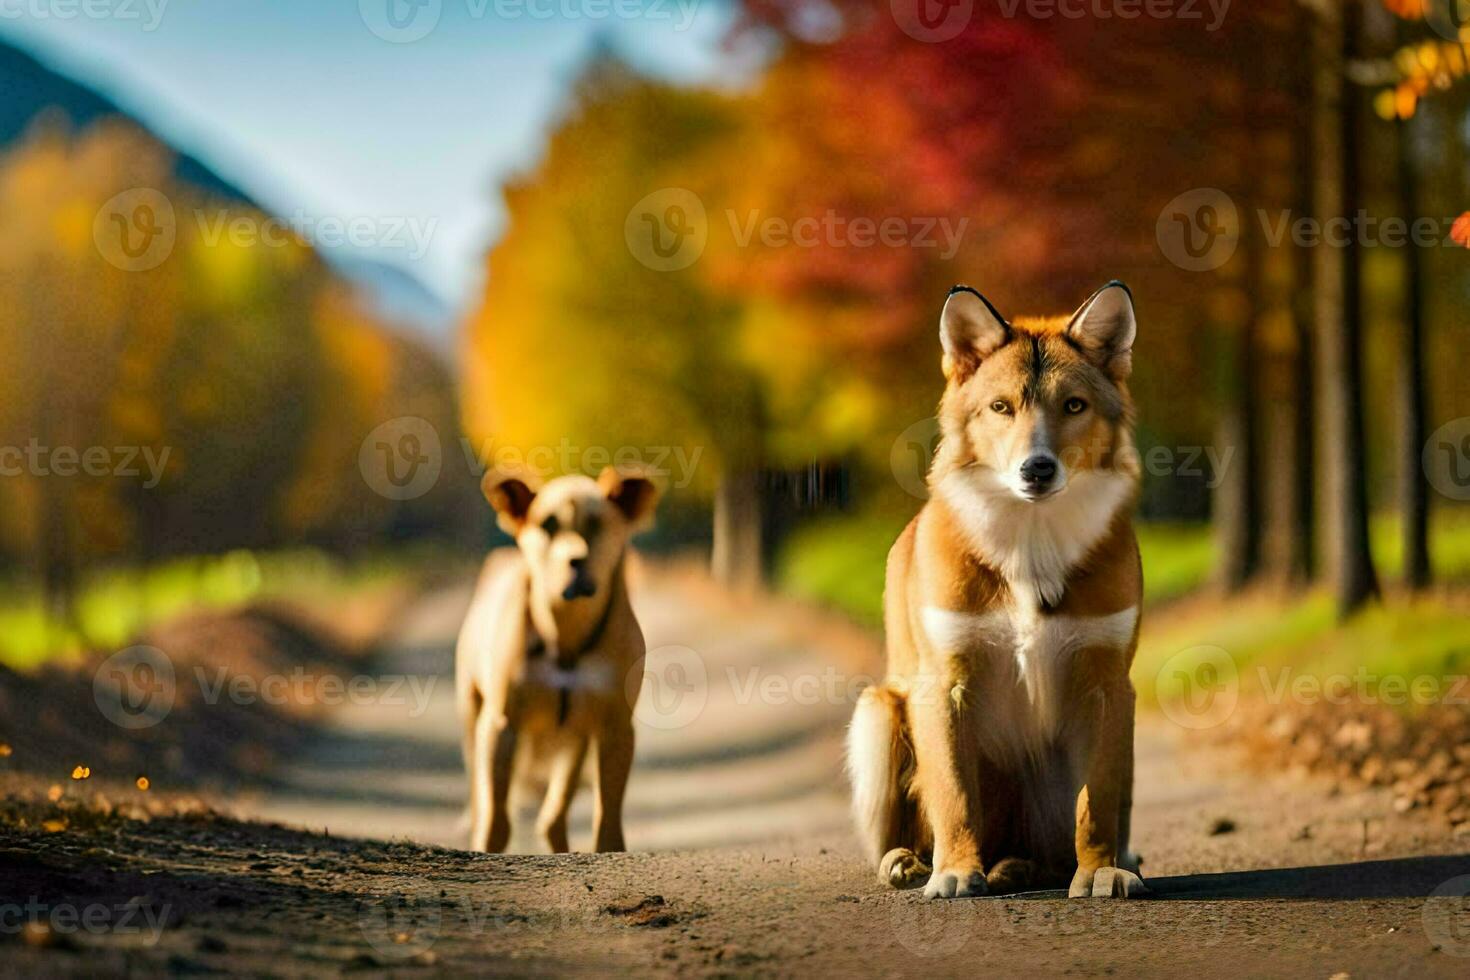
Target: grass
1261,636
114,606
840,563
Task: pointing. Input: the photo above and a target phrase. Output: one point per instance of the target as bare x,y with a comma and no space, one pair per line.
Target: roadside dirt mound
205,702
1424,758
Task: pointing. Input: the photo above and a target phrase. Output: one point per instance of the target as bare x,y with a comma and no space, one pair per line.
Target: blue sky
306,105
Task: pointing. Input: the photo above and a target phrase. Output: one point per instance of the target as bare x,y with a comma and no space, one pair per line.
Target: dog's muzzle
581,584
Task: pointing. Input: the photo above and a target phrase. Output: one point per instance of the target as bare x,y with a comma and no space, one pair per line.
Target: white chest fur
1021,659
1035,545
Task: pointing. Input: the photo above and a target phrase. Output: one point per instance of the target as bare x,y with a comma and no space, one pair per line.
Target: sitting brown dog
546,648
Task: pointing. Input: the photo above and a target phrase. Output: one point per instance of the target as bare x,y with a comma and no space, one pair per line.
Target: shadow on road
1403,878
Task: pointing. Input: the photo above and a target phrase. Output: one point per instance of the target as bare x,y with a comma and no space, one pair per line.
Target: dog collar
567,660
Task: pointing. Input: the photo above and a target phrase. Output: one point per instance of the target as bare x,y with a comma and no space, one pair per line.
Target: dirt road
741,863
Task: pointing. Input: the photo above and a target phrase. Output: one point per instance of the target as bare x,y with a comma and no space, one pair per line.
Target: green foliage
839,562
1265,634
1177,559
112,607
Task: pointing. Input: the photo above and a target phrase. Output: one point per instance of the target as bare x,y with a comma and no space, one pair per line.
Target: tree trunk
1339,311
1238,512
1239,507
1301,561
1413,493
1300,550
736,559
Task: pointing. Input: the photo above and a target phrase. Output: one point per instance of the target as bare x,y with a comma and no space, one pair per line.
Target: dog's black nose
581,584
1039,470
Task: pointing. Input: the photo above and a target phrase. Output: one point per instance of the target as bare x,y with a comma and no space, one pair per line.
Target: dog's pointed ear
511,495
632,491
970,330
1105,327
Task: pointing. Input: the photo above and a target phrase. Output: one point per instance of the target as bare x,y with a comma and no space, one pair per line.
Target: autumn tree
220,386
587,347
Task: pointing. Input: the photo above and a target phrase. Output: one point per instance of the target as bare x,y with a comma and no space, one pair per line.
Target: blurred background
278,281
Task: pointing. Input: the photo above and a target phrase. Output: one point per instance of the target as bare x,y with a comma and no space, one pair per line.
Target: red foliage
1460,230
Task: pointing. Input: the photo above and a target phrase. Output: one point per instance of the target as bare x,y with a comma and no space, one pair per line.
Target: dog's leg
879,764
566,772
1100,803
470,705
1127,859
948,778
614,761
495,744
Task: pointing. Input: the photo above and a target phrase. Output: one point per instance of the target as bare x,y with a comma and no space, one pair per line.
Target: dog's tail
880,764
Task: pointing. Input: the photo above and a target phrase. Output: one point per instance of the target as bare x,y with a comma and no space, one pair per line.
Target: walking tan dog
547,649
998,753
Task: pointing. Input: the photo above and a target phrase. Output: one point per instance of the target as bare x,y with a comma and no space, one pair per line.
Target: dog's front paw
1106,882
956,883
902,868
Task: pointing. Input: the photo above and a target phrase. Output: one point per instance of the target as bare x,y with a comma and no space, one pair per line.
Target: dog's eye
1075,406
1001,407
550,526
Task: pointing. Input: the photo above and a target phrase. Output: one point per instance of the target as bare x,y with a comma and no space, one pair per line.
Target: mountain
399,296
28,88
